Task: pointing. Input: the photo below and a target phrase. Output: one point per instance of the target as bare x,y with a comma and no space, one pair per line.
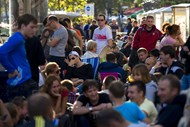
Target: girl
140,73
58,94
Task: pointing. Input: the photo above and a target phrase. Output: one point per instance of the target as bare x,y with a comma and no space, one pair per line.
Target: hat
74,53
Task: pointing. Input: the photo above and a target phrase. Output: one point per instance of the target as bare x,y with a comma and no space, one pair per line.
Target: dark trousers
3,86
24,89
60,61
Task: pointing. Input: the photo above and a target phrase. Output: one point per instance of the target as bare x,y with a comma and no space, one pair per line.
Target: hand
56,94
15,73
157,65
71,63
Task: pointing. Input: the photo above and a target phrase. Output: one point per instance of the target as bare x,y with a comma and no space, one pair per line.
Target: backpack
70,42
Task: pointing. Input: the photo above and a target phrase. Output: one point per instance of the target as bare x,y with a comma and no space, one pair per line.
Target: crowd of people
142,79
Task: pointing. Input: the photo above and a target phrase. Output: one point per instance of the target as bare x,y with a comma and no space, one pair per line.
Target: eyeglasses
100,20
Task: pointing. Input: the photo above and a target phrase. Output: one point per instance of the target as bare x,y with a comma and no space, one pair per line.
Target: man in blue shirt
13,58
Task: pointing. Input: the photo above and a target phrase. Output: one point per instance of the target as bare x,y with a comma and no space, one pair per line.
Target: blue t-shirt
13,57
131,112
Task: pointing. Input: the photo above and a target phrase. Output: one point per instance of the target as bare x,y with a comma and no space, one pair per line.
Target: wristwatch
90,109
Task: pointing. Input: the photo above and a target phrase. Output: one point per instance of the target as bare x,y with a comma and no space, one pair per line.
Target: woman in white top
90,50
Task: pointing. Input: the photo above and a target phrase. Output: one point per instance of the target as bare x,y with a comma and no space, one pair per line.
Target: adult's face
150,22
55,88
75,59
92,94
133,94
29,30
101,21
164,57
165,92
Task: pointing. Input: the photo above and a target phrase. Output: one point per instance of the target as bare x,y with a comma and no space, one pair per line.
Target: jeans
24,89
185,82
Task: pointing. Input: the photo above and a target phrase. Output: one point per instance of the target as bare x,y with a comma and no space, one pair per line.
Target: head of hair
102,16
155,53
110,57
48,84
140,86
141,69
50,68
129,19
45,21
150,17
142,50
164,26
156,76
90,45
108,80
67,20
107,116
77,49
135,22
88,84
68,84
19,101
39,104
173,29
168,50
25,20
174,82
12,109
53,18
117,89
94,21
63,23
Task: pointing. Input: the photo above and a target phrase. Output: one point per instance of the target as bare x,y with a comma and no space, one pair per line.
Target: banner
89,9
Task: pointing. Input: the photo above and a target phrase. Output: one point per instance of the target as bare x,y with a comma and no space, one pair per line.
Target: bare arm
53,42
110,42
79,109
6,121
79,39
179,41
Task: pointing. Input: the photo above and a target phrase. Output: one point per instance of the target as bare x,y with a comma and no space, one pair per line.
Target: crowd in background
94,75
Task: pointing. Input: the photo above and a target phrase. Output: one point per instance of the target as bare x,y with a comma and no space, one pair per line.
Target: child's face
142,56
137,77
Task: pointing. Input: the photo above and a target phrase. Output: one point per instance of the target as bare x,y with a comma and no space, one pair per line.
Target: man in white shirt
103,34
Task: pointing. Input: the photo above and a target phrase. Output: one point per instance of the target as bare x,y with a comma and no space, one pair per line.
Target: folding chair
104,74
94,62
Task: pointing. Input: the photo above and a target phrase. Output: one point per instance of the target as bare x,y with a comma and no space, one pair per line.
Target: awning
132,11
134,15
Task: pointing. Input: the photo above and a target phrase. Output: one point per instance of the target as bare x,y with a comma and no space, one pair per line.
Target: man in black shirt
90,103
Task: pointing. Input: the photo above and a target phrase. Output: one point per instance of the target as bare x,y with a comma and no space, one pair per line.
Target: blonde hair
91,44
49,68
141,69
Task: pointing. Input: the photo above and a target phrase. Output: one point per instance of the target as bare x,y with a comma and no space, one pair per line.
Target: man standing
57,42
146,36
136,93
115,28
13,58
168,92
102,34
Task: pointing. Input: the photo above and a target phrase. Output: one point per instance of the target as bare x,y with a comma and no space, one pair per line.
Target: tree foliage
67,5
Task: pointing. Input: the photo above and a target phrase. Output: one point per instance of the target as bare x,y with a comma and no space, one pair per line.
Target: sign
89,9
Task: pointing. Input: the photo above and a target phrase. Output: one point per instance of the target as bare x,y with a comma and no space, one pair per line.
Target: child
72,95
140,73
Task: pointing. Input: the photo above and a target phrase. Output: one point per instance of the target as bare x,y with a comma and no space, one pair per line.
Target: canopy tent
132,10
134,15
63,14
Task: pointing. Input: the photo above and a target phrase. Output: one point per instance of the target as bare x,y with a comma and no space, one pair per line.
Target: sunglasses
100,20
